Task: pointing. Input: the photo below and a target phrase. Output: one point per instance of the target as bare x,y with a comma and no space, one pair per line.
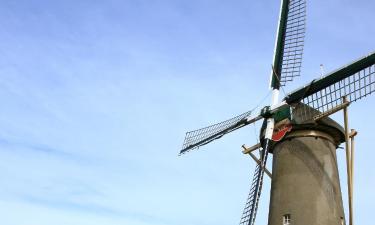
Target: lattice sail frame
250,211
195,139
294,39
353,87
354,82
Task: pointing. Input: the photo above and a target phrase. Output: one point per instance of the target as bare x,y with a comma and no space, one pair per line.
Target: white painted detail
275,97
270,127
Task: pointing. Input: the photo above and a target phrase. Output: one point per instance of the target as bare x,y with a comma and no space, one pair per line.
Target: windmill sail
200,137
289,42
354,81
251,207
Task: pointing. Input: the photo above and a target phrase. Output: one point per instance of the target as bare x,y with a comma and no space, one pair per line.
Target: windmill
305,187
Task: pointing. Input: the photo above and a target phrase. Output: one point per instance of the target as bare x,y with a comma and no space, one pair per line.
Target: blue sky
96,97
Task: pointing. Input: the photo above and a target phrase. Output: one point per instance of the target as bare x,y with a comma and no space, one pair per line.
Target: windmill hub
266,112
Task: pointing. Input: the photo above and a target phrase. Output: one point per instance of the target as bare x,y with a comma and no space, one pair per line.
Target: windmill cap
302,119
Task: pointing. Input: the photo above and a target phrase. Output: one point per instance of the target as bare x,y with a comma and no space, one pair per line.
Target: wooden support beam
331,111
352,134
250,149
257,160
348,162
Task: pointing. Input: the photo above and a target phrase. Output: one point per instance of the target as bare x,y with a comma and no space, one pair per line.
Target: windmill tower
305,187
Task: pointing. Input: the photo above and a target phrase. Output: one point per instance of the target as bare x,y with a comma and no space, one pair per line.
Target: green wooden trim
334,77
278,58
282,114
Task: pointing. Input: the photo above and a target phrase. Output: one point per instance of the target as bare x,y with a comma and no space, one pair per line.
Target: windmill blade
251,207
200,137
289,42
354,81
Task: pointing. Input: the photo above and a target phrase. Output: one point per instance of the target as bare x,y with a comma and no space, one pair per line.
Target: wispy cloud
27,146
92,208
